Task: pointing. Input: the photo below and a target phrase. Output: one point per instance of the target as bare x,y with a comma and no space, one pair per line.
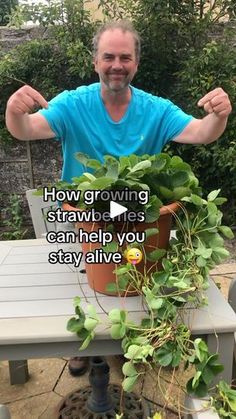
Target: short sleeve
55,114
174,120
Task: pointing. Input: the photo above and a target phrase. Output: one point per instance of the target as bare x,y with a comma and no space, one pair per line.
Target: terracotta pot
101,274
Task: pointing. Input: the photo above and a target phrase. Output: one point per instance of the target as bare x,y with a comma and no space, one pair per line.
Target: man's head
116,54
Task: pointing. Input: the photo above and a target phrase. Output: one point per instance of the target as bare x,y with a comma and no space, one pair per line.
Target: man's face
115,62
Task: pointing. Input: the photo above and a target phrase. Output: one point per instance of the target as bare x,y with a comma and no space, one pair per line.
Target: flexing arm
204,131
20,122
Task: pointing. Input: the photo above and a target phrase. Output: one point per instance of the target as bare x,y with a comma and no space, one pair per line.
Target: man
112,117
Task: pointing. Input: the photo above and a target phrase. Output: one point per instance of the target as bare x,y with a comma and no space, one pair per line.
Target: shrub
38,63
213,66
6,6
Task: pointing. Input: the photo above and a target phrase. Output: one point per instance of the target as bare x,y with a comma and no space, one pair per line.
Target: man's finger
208,107
38,98
207,98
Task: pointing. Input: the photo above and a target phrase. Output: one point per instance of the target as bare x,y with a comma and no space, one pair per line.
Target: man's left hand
216,101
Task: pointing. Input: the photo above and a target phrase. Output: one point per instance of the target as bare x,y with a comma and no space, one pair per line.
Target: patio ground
50,380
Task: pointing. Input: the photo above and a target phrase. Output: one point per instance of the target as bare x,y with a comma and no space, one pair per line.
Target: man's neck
121,98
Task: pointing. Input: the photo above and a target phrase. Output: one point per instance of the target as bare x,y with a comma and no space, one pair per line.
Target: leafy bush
214,164
6,6
38,63
13,221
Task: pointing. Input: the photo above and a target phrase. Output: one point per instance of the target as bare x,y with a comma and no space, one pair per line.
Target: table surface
36,303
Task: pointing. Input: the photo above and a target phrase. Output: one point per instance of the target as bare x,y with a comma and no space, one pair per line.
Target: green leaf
180,192
156,255
112,287
151,232
212,195
123,282
142,165
232,404
200,390
90,323
110,247
163,357
114,315
113,171
155,303
201,262
166,192
129,382
94,164
121,270
89,176
76,301
75,325
179,178
201,349
207,375
195,380
87,341
83,158
134,352
176,359
212,209
228,233
92,311
128,369
204,252
196,200
117,331
220,201
101,183
221,252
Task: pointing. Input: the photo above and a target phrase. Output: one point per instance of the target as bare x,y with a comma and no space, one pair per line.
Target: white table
36,303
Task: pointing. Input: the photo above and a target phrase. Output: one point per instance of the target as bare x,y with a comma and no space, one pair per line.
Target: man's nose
117,63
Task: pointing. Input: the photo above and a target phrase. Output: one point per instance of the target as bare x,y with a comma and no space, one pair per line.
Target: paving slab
44,374
225,268
223,282
163,388
40,406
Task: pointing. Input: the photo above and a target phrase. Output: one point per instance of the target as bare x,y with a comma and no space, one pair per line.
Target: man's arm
20,122
204,131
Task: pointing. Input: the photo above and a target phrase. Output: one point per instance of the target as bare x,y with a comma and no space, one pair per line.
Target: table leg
225,346
4,412
18,371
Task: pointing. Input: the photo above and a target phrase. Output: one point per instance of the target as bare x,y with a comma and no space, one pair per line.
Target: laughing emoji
134,256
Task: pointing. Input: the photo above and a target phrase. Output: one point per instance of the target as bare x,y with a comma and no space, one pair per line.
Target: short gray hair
124,26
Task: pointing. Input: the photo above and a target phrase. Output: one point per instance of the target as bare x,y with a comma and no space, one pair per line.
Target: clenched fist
25,100
216,101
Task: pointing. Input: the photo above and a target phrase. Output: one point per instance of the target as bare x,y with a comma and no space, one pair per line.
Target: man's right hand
25,100
21,120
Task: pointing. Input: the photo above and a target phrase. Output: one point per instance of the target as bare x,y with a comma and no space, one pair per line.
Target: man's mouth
117,74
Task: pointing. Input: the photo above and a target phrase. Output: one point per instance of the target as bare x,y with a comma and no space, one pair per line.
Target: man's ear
95,63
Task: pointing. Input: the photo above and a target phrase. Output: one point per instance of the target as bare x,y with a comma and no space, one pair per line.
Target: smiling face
134,256
115,61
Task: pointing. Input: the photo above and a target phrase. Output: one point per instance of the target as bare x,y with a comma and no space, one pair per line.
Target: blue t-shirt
82,123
